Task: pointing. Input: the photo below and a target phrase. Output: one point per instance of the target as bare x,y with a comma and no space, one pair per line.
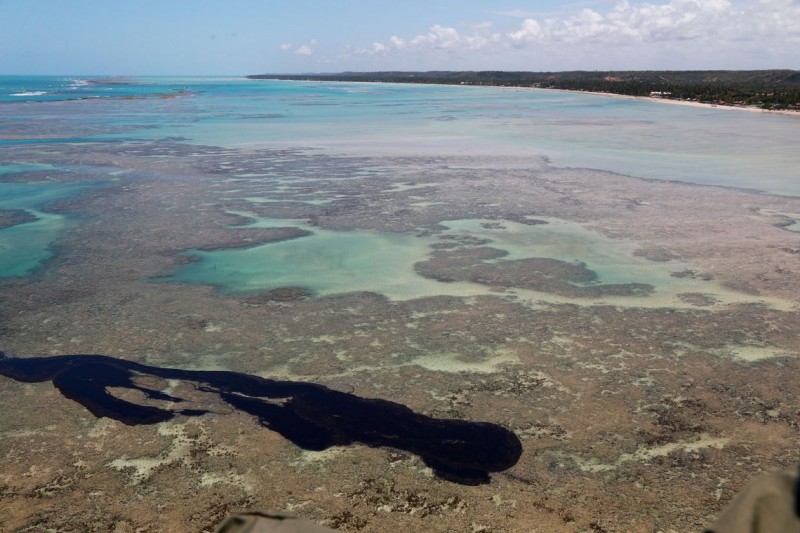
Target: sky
236,37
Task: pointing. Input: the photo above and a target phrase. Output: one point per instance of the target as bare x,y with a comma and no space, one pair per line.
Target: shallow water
642,139
26,246
327,262
602,320
638,138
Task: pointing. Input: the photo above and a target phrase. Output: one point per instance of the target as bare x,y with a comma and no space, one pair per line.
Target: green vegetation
768,89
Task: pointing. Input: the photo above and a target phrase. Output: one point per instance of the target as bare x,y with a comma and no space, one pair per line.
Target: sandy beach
690,103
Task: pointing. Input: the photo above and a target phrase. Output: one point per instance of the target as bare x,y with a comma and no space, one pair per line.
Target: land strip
760,89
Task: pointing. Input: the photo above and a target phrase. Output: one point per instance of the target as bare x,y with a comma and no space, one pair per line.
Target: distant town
764,89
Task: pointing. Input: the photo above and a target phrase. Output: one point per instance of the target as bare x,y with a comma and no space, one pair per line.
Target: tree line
768,89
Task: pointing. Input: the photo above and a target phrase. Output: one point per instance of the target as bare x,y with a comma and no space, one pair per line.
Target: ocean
567,130
632,137
387,306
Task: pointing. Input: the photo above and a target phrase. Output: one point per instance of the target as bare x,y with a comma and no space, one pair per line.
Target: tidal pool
24,247
327,262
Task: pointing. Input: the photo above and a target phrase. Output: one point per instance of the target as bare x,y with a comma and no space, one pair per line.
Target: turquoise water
57,88
25,247
326,262
24,167
637,138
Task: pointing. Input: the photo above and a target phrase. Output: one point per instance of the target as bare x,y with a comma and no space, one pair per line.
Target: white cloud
286,46
438,38
485,25
633,23
764,33
306,49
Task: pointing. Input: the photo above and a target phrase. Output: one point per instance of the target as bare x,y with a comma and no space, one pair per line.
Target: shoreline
673,101
688,103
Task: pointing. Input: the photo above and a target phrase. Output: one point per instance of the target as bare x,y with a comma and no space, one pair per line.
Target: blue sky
141,37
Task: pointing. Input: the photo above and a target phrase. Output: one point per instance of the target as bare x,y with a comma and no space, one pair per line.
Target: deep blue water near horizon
56,88
638,138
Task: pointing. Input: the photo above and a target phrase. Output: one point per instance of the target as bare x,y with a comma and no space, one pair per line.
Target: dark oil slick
312,416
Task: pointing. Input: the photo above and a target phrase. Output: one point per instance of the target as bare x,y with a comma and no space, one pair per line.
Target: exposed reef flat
537,273
641,411
311,416
10,218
